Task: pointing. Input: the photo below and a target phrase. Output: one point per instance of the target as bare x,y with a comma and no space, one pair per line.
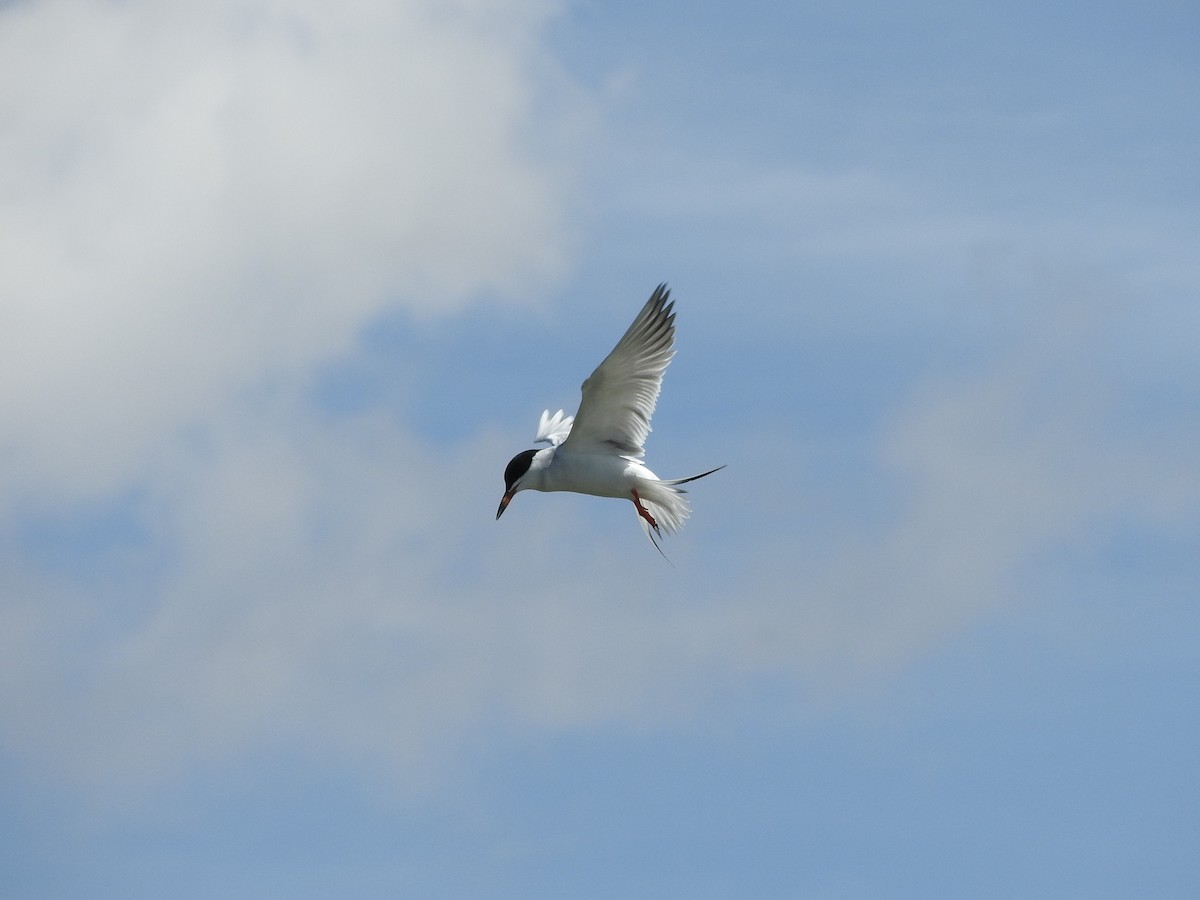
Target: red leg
642,511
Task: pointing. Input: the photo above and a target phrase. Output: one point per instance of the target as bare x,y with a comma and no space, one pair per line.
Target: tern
599,450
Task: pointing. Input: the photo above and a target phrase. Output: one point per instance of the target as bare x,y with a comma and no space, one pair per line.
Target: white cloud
199,198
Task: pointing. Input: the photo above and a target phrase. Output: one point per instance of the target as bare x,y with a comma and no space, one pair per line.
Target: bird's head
514,477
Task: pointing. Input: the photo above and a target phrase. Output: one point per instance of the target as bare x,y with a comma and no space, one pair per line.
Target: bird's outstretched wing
553,429
619,397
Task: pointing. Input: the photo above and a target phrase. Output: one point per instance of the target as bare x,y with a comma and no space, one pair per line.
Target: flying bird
599,450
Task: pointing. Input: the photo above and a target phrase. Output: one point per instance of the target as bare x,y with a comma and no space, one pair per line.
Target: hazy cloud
321,596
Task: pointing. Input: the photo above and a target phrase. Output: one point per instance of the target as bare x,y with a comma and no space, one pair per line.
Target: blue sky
284,286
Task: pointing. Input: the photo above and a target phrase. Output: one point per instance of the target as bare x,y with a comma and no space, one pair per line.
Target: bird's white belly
601,475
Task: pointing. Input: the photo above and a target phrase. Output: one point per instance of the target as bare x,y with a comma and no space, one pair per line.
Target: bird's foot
643,512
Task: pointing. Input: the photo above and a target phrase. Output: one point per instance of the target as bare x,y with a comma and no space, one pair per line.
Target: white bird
599,450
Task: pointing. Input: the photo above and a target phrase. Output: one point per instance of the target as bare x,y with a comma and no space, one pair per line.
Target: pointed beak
504,501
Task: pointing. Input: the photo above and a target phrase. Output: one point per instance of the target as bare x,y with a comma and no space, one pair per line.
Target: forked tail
665,502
